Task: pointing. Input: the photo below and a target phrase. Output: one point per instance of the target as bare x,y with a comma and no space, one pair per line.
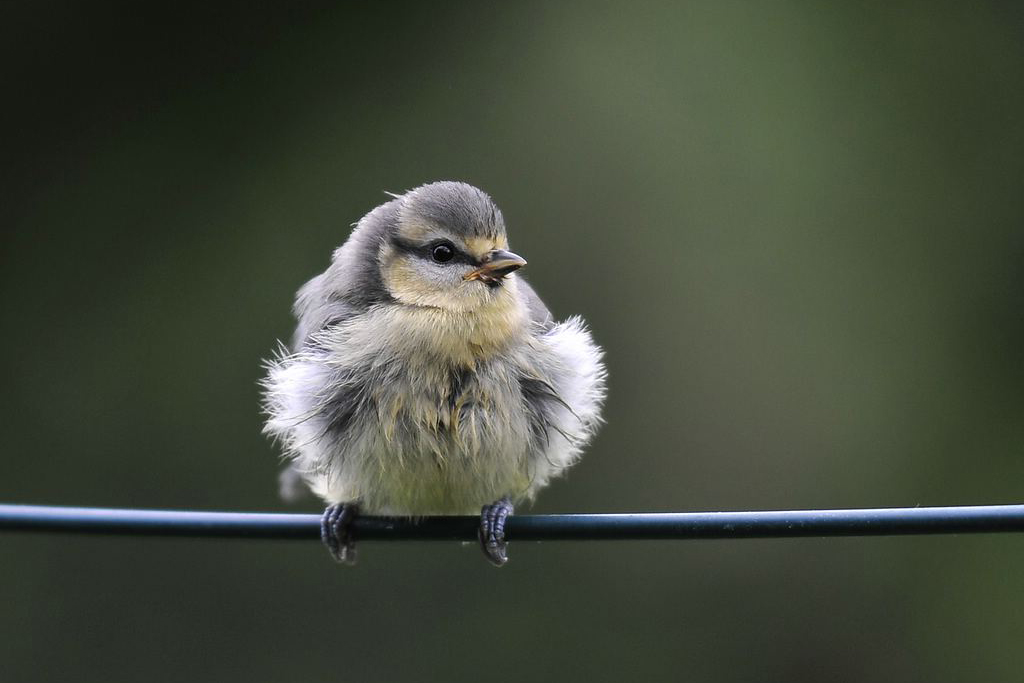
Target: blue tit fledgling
426,377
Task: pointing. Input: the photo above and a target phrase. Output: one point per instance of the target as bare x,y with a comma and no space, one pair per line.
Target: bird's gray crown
457,207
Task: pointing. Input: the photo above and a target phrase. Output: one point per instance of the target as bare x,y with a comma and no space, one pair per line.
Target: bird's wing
539,313
315,311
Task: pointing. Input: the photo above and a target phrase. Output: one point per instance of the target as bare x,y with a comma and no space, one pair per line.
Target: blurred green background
801,225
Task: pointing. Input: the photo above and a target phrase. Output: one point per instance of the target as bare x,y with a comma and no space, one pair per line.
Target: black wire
577,527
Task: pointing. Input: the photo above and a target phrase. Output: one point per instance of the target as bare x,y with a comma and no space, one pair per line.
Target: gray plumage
413,387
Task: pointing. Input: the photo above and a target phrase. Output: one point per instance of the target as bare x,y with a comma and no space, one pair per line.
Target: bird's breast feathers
416,410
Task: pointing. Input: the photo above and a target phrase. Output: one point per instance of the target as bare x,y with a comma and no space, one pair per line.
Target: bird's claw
492,531
336,532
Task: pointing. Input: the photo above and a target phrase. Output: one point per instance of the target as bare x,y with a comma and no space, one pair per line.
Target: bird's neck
462,338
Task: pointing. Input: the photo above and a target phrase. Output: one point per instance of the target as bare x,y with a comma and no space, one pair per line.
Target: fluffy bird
425,377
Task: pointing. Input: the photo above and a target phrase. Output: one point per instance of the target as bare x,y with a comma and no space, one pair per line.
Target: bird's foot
336,531
492,531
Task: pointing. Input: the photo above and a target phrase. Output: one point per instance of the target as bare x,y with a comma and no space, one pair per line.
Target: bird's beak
496,265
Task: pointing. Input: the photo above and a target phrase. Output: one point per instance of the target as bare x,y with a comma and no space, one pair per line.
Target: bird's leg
492,531
336,531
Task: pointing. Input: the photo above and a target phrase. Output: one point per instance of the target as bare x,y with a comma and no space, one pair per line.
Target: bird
426,377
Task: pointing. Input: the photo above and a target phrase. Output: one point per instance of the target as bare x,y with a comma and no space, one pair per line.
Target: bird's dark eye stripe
426,251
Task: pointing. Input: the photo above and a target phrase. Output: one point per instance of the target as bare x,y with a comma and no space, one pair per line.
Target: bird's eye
443,253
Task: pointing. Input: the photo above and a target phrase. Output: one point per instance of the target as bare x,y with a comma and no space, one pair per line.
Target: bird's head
447,249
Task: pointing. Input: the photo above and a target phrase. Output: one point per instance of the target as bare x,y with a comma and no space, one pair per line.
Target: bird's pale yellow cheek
405,285
404,281
410,281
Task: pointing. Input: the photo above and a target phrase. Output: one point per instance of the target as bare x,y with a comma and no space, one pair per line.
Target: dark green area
797,229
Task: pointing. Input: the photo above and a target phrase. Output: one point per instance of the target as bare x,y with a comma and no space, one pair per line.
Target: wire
577,527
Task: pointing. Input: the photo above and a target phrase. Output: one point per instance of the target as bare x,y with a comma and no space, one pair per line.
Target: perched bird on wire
425,377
